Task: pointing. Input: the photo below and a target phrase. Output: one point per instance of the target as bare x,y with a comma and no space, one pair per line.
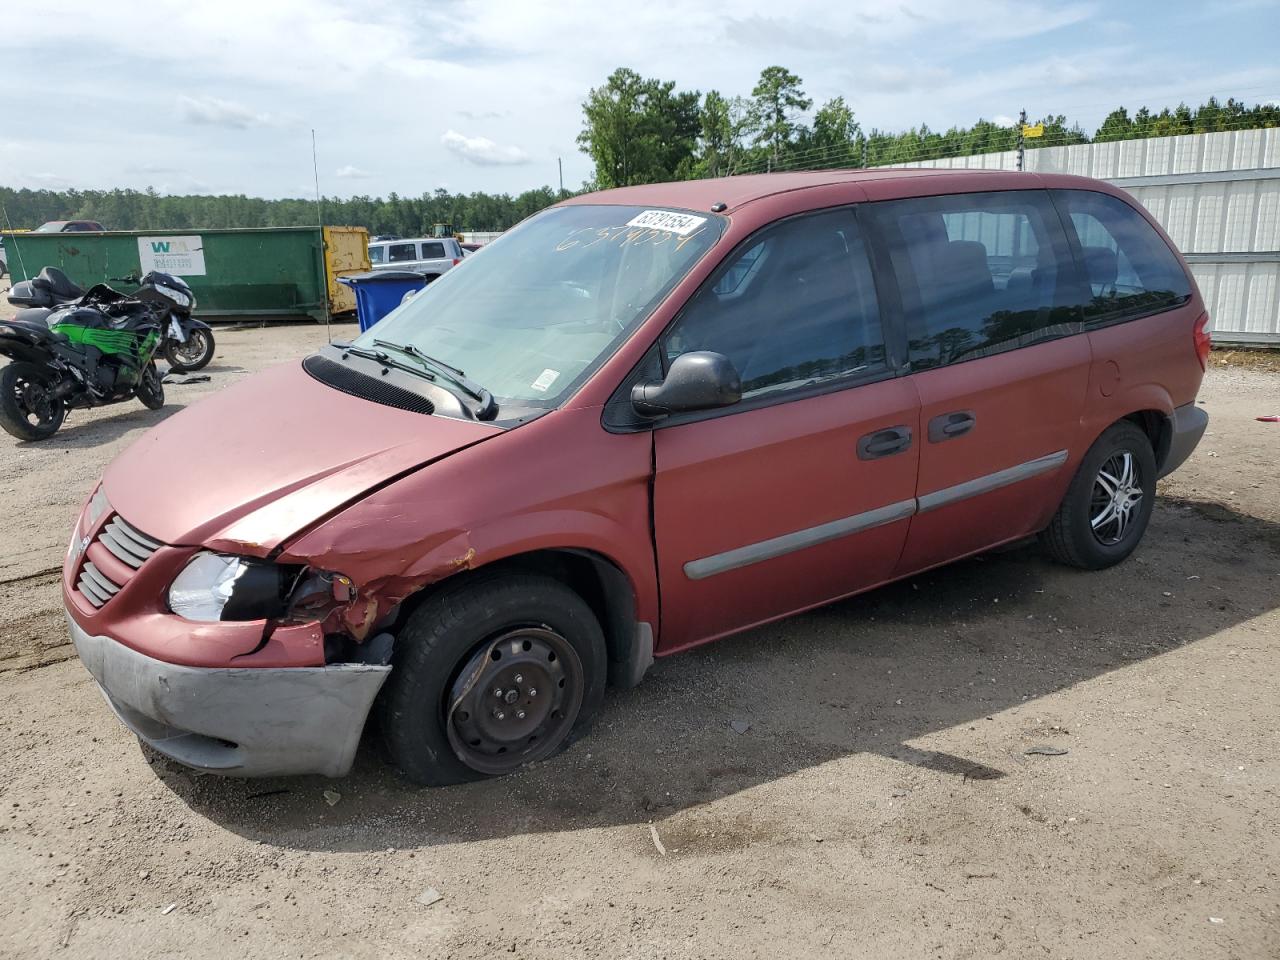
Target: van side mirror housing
700,380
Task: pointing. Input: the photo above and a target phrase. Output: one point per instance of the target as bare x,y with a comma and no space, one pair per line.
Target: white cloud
221,113
350,172
482,150
1003,120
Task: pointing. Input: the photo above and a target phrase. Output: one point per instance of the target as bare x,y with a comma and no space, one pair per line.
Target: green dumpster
261,271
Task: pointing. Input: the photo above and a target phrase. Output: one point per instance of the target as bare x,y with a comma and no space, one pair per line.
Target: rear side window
401,252
1130,270
795,307
377,254
979,273
433,251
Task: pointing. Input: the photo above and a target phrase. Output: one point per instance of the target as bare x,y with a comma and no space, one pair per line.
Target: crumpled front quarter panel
559,482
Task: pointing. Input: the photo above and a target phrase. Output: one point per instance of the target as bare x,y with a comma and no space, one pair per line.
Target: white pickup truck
428,256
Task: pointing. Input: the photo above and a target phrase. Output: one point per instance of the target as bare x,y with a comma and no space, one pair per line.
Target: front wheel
1108,505
193,355
28,408
150,390
490,674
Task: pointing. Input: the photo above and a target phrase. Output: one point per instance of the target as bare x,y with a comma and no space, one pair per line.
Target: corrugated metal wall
1217,195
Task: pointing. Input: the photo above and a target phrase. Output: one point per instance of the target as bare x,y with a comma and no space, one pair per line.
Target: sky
222,96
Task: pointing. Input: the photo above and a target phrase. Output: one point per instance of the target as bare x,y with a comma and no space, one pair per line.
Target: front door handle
884,443
951,425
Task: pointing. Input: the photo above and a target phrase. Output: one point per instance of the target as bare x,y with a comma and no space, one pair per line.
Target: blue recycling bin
378,292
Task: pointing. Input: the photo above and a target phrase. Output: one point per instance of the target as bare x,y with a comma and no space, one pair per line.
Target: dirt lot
882,802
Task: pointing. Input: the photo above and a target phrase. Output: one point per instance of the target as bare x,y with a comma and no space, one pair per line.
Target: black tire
459,628
193,355
150,390
1075,537
26,409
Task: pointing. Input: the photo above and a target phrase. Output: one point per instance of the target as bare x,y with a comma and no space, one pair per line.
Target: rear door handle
884,443
950,425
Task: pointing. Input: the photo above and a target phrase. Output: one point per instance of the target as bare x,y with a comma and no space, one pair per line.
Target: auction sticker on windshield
681,224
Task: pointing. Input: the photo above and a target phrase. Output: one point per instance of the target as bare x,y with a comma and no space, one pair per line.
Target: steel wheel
515,700
1117,494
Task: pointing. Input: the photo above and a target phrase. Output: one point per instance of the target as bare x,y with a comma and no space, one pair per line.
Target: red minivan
687,409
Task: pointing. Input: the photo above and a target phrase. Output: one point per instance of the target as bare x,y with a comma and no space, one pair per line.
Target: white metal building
1217,195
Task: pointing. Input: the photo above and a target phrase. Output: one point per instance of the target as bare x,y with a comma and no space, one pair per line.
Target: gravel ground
882,802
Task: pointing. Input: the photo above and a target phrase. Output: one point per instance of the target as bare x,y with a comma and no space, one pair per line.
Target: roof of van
734,192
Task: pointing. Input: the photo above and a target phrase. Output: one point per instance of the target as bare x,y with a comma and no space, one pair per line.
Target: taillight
1203,340
456,261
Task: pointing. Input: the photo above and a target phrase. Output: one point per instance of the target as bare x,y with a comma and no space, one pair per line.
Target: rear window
1130,270
402,252
377,254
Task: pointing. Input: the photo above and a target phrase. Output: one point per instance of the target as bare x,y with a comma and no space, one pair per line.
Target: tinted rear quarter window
1129,268
433,251
979,273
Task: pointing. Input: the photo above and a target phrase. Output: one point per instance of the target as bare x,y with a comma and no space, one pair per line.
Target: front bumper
241,722
1189,422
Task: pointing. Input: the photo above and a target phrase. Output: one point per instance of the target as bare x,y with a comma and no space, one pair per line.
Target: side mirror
696,381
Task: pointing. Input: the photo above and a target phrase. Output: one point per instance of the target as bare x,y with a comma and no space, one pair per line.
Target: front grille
127,544
362,385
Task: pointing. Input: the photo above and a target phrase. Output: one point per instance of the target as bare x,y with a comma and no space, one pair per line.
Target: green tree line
644,130
149,210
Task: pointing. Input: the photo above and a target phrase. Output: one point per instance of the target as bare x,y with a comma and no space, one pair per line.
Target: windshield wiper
379,357
488,408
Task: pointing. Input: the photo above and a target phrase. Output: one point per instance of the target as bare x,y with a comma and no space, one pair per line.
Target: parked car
70,226
4,259
748,396
431,258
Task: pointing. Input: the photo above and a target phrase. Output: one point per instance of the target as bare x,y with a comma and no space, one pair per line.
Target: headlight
214,587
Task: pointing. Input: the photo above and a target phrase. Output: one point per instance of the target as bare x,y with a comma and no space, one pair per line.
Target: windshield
551,299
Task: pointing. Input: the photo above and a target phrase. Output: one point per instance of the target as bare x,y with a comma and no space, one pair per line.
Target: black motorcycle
96,349
187,343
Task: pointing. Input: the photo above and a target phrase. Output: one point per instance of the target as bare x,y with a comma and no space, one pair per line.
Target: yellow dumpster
346,250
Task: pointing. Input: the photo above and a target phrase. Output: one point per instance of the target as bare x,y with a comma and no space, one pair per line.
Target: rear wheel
193,355
150,389
491,674
1108,505
28,408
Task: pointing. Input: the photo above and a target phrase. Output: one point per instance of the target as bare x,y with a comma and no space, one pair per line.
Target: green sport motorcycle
88,352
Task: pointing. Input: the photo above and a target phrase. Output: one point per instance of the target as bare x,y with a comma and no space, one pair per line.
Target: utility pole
560,167
1022,150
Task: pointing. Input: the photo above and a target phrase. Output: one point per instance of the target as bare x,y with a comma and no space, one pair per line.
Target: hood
253,464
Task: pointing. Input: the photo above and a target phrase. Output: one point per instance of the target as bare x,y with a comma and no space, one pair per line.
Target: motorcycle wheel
28,409
195,354
150,390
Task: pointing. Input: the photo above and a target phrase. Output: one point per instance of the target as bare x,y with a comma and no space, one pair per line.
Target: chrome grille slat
99,579
132,555
90,592
134,538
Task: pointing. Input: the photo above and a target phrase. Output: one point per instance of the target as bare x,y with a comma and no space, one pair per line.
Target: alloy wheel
1117,496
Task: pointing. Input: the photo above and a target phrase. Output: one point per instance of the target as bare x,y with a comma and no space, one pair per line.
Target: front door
802,492
999,359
